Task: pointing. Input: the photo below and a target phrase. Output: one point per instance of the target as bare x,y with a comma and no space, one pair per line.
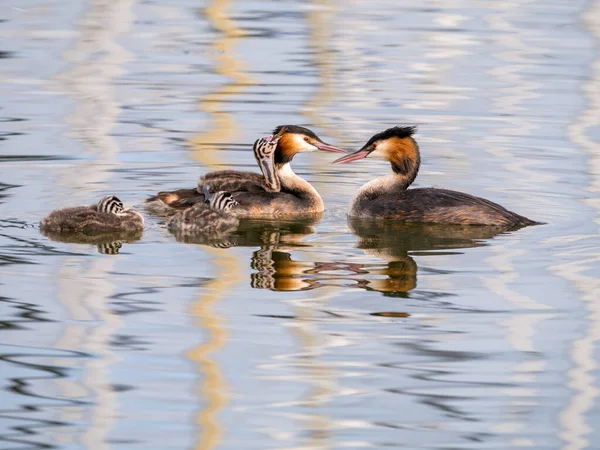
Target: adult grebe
211,217
388,197
106,216
278,193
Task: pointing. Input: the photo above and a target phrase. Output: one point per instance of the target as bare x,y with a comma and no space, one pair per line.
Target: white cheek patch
379,152
302,145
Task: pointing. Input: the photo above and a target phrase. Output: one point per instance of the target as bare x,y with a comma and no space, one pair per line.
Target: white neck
292,182
375,188
286,172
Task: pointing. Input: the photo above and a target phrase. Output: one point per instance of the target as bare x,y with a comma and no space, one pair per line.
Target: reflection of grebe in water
108,243
388,197
278,193
390,241
277,271
253,233
394,241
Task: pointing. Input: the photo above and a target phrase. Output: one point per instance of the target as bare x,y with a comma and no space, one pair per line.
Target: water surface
312,335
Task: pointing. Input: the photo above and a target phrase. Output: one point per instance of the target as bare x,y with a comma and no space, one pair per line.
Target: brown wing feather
231,174
232,181
429,205
181,198
169,202
202,219
271,205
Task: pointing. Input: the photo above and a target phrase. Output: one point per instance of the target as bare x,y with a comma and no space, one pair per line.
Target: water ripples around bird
320,333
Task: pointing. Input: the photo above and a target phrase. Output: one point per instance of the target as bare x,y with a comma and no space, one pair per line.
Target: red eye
306,139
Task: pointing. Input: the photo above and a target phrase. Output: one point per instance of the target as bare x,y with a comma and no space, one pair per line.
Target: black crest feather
297,130
399,132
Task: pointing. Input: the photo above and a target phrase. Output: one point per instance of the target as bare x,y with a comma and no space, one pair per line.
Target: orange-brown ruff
388,197
295,197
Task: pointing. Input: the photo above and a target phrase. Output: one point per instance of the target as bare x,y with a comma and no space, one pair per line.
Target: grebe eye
306,139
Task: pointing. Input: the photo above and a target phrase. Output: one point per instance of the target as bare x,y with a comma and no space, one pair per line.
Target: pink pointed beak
328,148
352,157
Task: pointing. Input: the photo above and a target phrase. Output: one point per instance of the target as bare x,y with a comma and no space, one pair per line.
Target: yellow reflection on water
222,128
319,19
213,388
312,342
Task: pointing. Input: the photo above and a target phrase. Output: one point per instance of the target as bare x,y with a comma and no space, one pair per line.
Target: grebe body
277,193
388,197
107,215
212,217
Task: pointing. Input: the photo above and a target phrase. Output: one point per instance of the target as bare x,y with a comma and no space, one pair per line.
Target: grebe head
295,139
264,151
222,201
110,205
393,144
265,146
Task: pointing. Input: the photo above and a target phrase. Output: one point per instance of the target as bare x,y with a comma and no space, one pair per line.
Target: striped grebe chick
106,216
277,193
213,216
388,197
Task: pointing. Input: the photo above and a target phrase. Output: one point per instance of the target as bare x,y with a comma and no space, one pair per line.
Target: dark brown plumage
389,197
431,205
203,219
215,217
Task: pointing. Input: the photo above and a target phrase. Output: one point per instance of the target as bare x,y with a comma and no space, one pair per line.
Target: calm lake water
301,335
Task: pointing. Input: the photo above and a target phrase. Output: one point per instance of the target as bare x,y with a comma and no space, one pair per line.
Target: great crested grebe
278,193
388,197
107,215
211,217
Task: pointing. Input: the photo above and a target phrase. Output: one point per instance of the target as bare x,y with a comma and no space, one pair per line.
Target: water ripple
327,334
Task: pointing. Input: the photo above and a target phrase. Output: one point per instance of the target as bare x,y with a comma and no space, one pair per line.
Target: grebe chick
388,197
277,193
211,217
232,180
169,202
107,215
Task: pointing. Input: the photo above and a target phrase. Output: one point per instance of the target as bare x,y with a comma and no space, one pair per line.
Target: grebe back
213,216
